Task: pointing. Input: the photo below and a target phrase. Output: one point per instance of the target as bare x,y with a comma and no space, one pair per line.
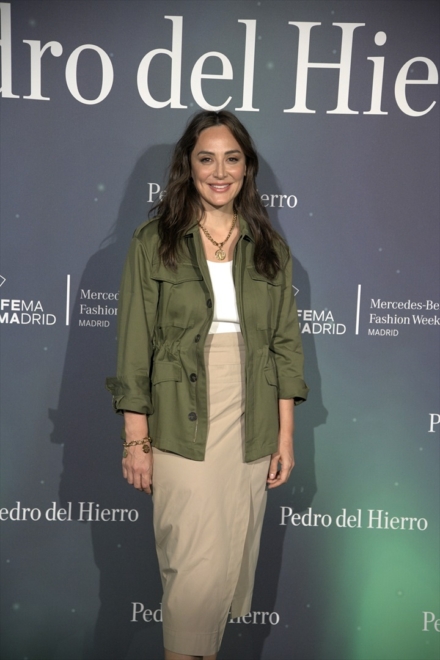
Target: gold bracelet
137,442
145,442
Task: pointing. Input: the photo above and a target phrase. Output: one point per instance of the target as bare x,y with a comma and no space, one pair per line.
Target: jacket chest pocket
263,299
181,294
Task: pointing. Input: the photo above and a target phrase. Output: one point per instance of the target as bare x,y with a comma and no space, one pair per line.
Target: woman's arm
286,343
284,455
137,309
137,466
131,388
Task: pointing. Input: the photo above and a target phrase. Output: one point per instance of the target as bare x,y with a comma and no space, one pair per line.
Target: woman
209,369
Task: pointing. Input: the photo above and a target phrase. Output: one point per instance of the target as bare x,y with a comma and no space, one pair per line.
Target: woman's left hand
283,458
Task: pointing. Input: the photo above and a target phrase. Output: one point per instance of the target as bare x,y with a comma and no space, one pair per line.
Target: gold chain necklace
220,253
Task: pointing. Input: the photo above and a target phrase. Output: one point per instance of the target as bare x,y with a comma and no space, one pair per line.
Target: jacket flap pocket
271,376
269,368
255,275
184,273
163,371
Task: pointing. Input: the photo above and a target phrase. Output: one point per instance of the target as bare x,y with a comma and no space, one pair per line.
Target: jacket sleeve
138,299
286,343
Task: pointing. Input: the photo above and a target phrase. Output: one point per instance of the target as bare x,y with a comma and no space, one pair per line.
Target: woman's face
218,168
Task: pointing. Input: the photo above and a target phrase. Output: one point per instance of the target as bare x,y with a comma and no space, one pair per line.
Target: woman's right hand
137,466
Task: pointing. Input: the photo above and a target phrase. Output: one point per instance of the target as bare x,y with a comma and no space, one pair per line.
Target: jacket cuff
134,398
294,388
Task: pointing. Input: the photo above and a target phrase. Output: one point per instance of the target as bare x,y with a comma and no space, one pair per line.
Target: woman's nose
220,171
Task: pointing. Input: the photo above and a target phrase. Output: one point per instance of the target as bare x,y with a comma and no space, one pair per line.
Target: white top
225,302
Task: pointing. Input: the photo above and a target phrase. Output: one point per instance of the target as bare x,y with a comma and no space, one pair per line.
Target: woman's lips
219,187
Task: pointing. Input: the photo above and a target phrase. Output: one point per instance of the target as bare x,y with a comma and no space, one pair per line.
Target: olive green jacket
163,321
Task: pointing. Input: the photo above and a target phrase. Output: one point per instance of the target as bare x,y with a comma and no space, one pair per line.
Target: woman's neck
220,219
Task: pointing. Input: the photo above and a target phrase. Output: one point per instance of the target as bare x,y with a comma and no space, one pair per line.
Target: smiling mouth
219,187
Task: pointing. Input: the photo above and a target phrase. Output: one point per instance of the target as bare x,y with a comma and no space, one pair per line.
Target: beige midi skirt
208,515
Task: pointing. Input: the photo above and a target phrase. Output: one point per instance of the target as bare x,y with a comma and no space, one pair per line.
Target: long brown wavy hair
182,204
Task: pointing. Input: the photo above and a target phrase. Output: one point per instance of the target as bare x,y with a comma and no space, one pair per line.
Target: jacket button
209,303
197,338
192,416
193,378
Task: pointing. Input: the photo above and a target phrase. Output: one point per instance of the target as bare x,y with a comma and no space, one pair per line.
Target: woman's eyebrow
211,153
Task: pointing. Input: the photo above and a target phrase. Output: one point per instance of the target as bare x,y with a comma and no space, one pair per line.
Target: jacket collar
245,231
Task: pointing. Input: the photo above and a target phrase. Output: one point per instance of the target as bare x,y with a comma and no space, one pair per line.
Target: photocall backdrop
342,100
